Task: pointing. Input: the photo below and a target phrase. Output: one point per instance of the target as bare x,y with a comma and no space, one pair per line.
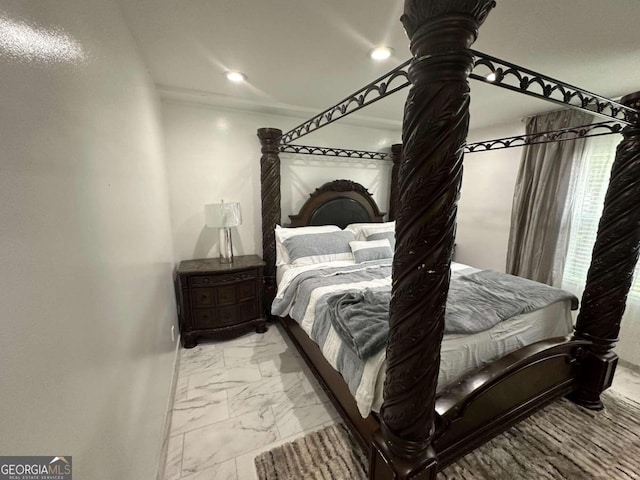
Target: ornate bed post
615,255
271,208
436,122
396,157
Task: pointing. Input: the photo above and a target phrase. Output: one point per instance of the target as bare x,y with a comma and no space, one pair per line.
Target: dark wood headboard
340,203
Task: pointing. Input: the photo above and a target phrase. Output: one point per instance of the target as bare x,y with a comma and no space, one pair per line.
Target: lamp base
226,246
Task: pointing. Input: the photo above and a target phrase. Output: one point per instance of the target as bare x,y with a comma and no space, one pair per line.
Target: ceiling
303,56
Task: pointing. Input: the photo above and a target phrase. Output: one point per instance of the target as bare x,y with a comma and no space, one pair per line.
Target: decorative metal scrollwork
374,91
564,134
486,69
561,135
497,72
334,152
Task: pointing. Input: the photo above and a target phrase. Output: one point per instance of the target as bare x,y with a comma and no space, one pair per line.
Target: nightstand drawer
226,295
220,317
227,316
221,296
247,311
202,281
246,291
204,297
205,318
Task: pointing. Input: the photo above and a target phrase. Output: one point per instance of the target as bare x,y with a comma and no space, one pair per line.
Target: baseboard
162,461
629,365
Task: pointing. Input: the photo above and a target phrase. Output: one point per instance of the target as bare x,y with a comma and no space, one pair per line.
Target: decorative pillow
361,230
368,251
307,249
391,236
282,234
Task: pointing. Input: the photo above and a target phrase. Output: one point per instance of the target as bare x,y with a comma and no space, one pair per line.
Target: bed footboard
490,400
476,408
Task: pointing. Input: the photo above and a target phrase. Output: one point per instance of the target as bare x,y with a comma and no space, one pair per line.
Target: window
590,189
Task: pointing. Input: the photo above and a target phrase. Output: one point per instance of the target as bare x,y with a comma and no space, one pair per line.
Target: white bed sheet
280,271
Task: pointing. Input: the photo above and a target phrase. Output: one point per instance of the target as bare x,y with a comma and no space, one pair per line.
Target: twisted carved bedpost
271,208
396,157
615,255
436,122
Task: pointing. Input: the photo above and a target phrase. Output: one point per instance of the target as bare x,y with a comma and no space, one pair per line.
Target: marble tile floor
238,398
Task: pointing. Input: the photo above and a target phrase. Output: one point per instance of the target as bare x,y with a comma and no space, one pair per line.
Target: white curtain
588,198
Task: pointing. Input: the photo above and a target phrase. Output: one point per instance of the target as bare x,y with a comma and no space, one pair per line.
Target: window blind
590,190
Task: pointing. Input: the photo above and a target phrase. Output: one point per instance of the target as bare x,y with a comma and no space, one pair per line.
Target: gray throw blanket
481,300
361,318
476,302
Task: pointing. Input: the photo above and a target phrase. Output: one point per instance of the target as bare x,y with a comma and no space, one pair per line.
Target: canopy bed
420,429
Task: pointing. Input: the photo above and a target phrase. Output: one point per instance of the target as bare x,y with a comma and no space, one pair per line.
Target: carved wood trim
331,191
271,205
435,126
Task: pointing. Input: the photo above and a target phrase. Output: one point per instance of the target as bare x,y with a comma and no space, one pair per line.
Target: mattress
460,354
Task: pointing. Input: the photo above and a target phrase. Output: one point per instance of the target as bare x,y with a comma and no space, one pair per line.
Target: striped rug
562,441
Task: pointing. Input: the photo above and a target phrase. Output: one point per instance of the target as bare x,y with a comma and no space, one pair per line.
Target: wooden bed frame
417,432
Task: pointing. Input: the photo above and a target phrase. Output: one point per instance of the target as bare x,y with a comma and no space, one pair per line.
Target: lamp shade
222,215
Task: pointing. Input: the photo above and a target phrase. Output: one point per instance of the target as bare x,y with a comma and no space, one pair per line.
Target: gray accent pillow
369,251
319,247
391,236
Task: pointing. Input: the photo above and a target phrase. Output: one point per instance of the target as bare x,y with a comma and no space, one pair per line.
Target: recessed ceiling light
492,77
235,77
381,53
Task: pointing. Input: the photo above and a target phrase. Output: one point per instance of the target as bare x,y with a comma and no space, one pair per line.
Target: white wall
213,153
85,246
484,212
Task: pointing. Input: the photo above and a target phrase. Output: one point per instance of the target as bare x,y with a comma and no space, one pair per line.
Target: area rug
562,441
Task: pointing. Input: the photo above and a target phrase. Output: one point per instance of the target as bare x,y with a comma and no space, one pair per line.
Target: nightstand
219,300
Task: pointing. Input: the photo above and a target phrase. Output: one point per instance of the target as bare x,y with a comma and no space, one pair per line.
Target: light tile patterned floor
238,398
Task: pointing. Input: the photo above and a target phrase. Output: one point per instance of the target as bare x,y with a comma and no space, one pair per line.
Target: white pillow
391,236
282,234
371,250
362,230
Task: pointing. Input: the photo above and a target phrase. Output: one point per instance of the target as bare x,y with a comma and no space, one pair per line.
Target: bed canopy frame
417,432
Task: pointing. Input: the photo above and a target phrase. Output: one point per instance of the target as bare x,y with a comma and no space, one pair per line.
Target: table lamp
224,216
